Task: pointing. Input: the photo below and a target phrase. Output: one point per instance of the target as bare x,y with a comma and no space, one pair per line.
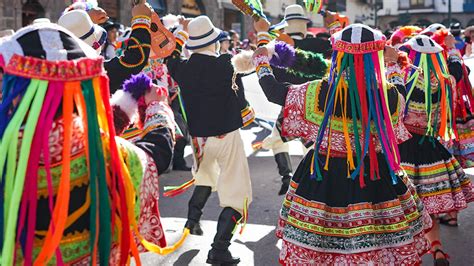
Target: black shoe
285,184
221,257
194,228
220,254
181,167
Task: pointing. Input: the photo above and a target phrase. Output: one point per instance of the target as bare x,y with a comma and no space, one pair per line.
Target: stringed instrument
341,18
163,41
244,7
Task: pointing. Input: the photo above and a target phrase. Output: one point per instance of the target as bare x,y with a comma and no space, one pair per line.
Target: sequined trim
72,70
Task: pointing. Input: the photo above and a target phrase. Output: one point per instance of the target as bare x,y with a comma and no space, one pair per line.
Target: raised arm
135,56
274,91
174,62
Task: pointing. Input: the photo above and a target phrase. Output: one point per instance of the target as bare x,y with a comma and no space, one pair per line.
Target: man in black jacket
213,107
136,53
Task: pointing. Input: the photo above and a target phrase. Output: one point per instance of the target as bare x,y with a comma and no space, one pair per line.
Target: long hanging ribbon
125,236
51,103
18,86
341,63
38,91
100,207
130,195
355,106
59,216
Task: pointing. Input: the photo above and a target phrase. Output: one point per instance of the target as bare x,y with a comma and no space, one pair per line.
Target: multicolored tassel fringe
433,66
360,80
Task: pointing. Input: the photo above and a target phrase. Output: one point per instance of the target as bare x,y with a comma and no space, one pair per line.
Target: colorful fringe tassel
111,193
434,65
366,90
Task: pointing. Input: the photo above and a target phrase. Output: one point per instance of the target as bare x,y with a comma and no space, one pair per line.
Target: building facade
425,12
391,13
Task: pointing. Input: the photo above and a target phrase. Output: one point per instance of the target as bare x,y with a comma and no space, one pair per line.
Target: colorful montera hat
432,29
427,56
358,67
403,34
50,74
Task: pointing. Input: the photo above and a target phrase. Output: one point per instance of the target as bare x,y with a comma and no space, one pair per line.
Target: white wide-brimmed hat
41,20
202,33
295,12
79,23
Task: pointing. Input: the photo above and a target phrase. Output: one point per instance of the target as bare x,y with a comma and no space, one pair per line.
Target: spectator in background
112,28
455,30
225,43
469,36
252,38
235,40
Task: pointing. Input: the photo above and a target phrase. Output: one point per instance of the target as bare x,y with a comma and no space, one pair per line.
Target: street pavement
257,245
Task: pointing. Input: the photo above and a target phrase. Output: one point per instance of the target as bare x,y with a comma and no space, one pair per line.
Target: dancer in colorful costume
213,106
403,34
430,114
348,202
72,191
310,66
463,146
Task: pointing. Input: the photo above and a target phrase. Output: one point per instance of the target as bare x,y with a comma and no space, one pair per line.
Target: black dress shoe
221,257
194,228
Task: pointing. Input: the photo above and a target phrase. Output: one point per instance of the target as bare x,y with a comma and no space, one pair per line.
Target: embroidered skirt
439,179
335,221
463,146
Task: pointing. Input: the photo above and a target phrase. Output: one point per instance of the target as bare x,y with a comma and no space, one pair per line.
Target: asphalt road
258,244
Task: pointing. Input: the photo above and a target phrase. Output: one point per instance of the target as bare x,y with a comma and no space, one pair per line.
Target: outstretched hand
261,25
142,9
390,54
330,17
184,22
153,96
98,15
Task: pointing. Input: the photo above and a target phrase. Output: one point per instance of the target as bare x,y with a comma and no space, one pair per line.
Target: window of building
409,4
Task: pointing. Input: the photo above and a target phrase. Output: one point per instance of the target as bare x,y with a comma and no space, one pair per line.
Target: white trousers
225,169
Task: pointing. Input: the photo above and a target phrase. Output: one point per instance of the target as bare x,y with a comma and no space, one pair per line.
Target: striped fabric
45,41
358,33
423,44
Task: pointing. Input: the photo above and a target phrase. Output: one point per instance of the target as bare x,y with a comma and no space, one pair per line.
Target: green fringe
309,65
